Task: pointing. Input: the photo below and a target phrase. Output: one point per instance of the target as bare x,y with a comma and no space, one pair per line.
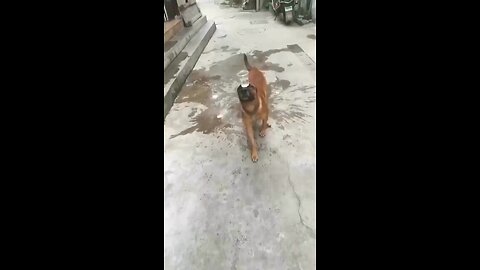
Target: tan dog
254,101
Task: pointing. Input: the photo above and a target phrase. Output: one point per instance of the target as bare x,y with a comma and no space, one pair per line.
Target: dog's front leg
265,125
251,138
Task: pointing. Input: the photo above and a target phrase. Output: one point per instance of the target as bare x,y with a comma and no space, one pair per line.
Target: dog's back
257,79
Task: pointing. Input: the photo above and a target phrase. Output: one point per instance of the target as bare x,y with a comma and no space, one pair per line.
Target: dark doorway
171,7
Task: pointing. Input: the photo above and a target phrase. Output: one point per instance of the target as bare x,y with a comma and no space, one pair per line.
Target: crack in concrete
311,233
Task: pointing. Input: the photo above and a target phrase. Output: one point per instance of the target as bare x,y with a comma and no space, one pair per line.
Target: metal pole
165,15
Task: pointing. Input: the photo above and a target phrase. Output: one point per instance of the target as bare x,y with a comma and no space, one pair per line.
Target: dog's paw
268,125
262,133
255,157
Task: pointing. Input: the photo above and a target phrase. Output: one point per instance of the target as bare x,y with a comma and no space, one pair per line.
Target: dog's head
246,93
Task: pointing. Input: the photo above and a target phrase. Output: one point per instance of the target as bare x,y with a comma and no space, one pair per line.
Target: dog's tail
246,62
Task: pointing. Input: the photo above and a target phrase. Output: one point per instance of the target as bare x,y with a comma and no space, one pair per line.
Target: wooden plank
170,28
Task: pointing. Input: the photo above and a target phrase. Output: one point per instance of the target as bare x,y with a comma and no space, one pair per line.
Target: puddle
284,84
295,48
197,88
282,109
205,88
225,49
206,122
260,58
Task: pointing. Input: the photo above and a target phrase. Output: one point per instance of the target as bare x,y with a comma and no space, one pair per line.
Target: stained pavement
221,210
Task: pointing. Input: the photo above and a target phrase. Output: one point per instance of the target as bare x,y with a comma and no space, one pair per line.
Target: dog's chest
253,109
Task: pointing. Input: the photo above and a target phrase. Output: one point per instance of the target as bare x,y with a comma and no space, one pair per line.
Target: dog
254,104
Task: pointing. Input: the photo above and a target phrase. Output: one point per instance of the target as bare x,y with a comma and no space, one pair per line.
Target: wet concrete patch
213,89
206,122
288,116
198,89
229,68
263,56
312,37
173,67
305,88
260,58
288,112
193,112
225,49
295,48
284,84
259,61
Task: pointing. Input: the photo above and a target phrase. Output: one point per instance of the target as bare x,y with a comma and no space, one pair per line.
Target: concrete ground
222,211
